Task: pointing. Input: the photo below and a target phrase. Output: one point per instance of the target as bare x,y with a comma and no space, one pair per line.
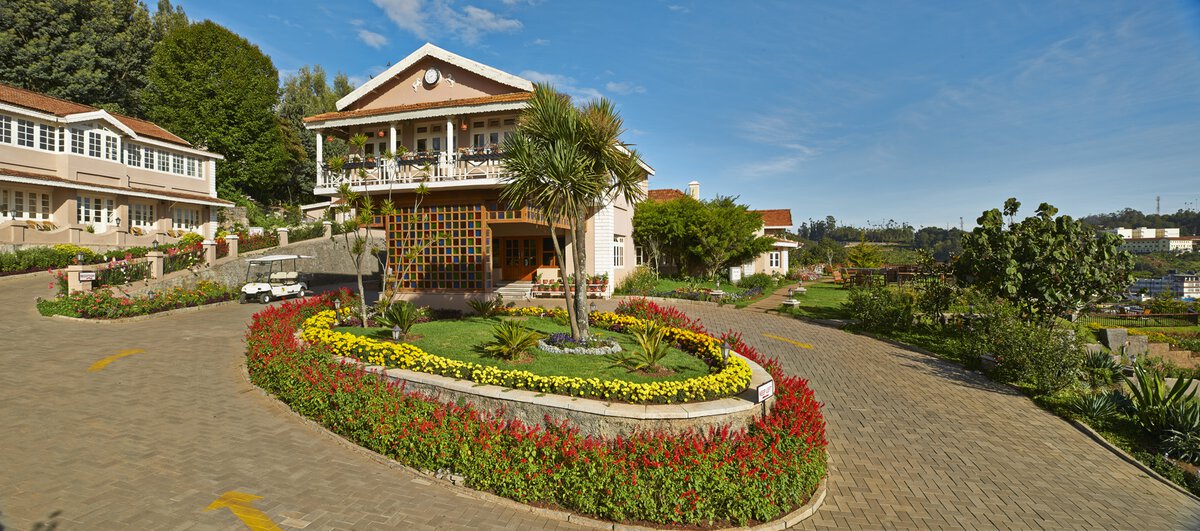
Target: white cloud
563,83
678,8
624,88
424,18
541,42
372,39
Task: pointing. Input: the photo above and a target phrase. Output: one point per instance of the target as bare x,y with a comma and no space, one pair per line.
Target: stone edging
593,417
1087,430
791,519
148,316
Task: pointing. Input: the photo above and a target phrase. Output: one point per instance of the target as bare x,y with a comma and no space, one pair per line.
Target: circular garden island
328,367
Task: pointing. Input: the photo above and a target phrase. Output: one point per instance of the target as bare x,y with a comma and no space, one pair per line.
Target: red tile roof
59,107
776,218
53,180
665,194
500,98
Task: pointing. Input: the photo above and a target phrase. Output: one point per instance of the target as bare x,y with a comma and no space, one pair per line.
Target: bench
284,277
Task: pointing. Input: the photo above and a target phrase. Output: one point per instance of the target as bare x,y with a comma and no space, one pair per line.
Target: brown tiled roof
500,98
665,194
60,107
776,218
56,180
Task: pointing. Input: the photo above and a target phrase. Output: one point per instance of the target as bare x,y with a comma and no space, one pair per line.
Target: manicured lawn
463,339
823,300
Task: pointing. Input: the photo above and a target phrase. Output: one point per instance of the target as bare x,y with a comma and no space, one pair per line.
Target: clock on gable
432,76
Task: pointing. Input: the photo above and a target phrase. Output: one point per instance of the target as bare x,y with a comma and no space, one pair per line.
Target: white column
392,138
211,173
320,157
449,135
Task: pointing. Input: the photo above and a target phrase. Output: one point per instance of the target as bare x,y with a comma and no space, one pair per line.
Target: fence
1136,320
183,259
121,273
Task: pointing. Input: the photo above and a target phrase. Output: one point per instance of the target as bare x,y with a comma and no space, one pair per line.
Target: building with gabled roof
73,173
439,120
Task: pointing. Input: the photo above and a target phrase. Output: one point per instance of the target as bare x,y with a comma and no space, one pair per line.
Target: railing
433,167
1134,320
499,214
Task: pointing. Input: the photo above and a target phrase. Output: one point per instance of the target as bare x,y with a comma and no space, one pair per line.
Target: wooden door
519,258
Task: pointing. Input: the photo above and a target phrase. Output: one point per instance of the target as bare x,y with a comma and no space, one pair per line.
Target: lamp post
337,311
154,244
396,333
79,258
725,352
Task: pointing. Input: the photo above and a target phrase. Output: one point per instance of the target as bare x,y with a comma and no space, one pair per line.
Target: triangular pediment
411,81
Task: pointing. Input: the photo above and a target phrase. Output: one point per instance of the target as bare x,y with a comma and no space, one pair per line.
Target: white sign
735,274
766,390
87,276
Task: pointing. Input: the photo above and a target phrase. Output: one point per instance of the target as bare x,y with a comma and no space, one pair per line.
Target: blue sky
867,111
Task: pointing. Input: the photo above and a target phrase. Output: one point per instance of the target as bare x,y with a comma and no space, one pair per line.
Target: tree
218,91
724,235
167,19
360,211
1045,265
569,162
864,254
88,51
307,93
661,227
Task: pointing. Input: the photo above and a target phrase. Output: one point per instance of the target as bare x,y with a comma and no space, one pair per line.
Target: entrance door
520,258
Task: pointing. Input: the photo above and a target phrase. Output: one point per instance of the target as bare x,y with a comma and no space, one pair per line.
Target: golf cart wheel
264,298
242,299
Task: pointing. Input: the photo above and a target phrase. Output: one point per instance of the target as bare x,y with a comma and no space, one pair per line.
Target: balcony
468,166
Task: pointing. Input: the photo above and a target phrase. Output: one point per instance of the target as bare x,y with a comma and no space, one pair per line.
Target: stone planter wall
593,417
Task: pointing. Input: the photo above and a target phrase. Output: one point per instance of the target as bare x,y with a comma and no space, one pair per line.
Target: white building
1178,285
1145,240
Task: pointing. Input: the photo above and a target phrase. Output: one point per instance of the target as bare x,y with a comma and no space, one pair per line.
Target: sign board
87,276
766,391
735,274
256,231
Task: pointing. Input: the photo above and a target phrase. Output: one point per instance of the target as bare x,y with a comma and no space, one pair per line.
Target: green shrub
189,239
306,231
1045,357
652,348
487,307
399,314
511,340
762,281
1152,399
1100,370
1096,408
881,308
641,282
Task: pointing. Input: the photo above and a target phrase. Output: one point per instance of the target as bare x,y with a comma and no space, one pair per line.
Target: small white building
1178,285
1145,240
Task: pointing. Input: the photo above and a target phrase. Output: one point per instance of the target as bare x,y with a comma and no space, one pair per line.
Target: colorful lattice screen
457,261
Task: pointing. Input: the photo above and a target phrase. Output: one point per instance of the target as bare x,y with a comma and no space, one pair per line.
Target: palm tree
569,162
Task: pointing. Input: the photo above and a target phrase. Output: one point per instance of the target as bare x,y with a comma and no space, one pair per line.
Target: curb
1087,430
146,317
791,519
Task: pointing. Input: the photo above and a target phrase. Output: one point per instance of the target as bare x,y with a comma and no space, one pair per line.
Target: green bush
1100,370
1153,400
511,340
306,231
399,314
641,282
42,258
1046,357
1096,408
653,347
487,307
758,280
881,308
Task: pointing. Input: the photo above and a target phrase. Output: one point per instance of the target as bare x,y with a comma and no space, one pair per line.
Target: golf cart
272,277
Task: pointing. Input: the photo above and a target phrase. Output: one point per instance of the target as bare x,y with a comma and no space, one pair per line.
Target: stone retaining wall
593,417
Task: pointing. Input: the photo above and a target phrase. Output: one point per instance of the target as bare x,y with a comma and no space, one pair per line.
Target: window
94,144
148,162
94,209
639,256
5,130
133,155
141,215
185,218
618,252
191,167
47,137
177,164
110,148
21,204
773,258
77,141
24,133
164,161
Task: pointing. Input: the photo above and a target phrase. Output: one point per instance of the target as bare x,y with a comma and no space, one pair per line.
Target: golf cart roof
275,258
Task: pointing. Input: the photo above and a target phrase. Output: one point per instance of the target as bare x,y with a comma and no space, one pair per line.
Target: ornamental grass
716,478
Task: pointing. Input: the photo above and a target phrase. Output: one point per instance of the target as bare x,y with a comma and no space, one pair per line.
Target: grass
823,300
462,340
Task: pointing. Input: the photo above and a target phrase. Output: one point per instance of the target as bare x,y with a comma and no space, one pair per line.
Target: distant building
1178,285
776,224
1145,240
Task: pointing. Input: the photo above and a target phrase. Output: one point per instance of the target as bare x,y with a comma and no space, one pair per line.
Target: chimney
694,190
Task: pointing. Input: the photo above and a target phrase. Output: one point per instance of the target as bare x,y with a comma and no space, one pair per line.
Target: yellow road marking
104,362
797,343
239,503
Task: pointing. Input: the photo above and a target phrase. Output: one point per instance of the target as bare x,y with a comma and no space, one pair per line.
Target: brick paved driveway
153,438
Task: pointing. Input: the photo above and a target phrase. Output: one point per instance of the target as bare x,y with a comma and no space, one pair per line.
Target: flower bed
697,479
561,343
724,380
102,304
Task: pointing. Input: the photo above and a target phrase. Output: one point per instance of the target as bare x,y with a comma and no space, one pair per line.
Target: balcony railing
432,167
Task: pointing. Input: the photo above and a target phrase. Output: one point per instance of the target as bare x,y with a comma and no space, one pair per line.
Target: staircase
514,291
